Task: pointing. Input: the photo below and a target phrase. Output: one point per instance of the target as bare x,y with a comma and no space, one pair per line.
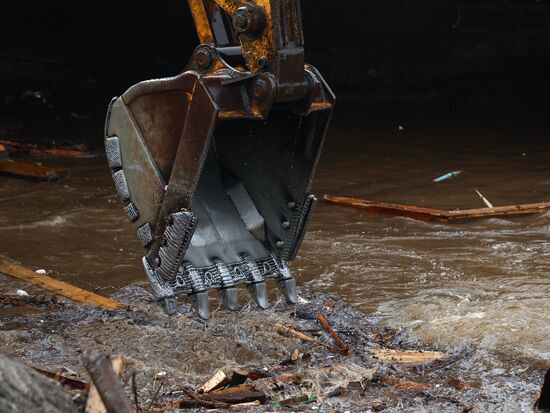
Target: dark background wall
370,50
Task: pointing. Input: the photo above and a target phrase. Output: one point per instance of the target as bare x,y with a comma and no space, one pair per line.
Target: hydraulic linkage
214,165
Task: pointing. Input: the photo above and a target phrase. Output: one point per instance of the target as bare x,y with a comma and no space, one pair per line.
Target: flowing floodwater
482,284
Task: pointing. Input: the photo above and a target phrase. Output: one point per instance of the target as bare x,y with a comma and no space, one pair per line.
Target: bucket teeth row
198,281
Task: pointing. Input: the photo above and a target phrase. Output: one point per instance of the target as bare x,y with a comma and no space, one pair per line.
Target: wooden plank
384,208
392,356
501,211
436,215
15,270
218,380
30,170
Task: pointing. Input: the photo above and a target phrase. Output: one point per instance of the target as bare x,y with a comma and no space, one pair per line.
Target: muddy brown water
482,284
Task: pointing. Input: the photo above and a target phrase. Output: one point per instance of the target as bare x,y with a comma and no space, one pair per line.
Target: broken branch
66,381
106,382
339,342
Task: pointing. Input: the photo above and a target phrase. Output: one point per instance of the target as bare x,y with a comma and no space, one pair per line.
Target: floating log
30,170
436,215
392,356
11,268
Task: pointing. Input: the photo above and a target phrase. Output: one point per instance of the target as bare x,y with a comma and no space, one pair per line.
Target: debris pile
321,354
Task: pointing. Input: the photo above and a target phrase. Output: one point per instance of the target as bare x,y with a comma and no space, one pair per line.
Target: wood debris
64,380
289,331
393,356
11,268
33,149
31,170
404,384
105,379
485,200
94,403
292,332
218,380
459,384
219,400
255,403
436,215
342,347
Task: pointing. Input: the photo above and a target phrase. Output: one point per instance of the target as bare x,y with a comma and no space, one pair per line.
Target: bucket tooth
169,305
288,288
258,291
201,305
230,297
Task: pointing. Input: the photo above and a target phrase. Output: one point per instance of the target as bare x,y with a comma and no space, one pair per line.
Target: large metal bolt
241,20
249,20
203,58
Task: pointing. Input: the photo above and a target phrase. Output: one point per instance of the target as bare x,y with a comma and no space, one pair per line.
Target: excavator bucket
214,165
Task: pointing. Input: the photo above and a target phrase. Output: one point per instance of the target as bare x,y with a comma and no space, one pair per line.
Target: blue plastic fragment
447,176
